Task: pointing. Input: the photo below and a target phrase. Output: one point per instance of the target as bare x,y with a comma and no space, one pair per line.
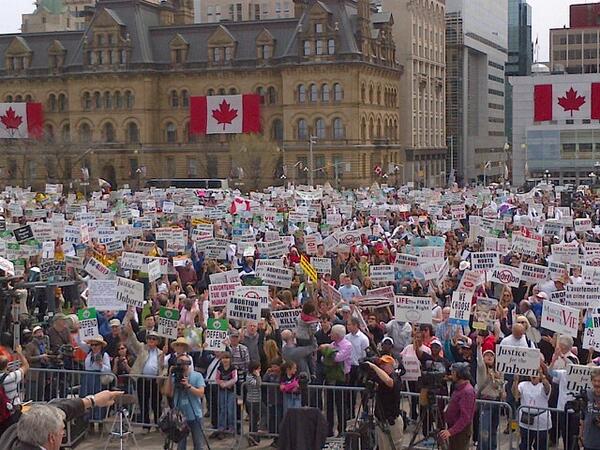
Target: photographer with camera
186,387
390,427
589,429
461,409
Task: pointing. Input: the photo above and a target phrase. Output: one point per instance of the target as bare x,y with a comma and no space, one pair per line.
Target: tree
255,160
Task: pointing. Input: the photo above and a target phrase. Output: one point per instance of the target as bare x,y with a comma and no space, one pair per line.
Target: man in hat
36,353
10,380
240,356
148,365
58,333
179,346
461,409
113,340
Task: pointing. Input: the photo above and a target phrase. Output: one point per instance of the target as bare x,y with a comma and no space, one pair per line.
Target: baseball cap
387,359
234,333
37,327
346,307
387,339
115,323
435,341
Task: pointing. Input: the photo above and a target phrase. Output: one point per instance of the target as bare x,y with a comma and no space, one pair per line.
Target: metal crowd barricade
549,425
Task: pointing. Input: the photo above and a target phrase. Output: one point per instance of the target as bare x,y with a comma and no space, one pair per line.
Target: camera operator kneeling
589,428
387,404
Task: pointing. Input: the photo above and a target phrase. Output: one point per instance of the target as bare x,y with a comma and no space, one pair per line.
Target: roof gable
221,36
18,46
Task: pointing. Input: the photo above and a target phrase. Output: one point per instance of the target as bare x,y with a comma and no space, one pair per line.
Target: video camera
578,403
432,379
179,370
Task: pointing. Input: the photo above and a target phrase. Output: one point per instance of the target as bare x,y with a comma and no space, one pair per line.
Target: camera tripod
121,427
429,408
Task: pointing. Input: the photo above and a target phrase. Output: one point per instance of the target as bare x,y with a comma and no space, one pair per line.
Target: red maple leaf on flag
11,120
225,114
571,101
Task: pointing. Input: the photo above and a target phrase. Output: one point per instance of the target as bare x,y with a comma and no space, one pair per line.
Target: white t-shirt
11,386
534,395
360,343
511,341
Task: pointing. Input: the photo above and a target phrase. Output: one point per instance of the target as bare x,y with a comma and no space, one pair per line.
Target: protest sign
154,272
220,293
286,318
275,276
231,276
565,253
458,211
484,261
351,238
130,292
406,262
382,273
521,361
98,270
525,245
507,275
591,274
533,273
167,322
88,323
582,225
591,333
500,245
132,261
102,295
243,308
558,297
559,318
52,269
469,281
485,313
7,266
413,309
216,334
460,308
412,365
257,292
114,246
579,378
582,296
384,292
321,265
272,249
23,234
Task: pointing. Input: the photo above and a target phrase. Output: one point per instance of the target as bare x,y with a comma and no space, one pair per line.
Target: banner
286,318
167,322
460,308
216,334
507,275
521,361
243,308
130,292
562,319
413,309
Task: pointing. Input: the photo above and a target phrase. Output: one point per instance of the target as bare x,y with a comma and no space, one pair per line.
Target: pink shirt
344,353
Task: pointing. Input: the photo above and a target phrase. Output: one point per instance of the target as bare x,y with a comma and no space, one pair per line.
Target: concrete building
476,54
116,96
576,49
419,33
212,11
520,52
567,147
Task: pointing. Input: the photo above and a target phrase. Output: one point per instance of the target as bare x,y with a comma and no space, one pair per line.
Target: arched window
338,129
371,94
222,91
363,129
108,132
232,91
325,93
185,98
19,98
371,128
314,93
272,95
97,100
107,100
65,133
363,94
49,133
52,103
133,133
87,101
129,99
118,100
171,133
62,103
85,133
331,46
320,128
260,91
174,99
379,95
379,130
302,129
28,98
338,94
9,99
277,130
211,91
301,93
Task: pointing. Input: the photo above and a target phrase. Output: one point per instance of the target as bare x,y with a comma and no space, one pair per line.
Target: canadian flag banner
224,114
561,101
21,120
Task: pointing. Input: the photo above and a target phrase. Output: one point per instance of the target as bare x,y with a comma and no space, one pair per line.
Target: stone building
116,95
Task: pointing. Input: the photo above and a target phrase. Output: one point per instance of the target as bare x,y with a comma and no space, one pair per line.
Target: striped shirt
11,386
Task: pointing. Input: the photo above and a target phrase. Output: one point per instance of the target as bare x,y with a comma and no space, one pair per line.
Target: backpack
5,403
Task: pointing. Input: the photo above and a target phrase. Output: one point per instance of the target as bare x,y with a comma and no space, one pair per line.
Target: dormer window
319,47
307,48
265,45
18,55
318,27
331,46
217,54
179,50
228,54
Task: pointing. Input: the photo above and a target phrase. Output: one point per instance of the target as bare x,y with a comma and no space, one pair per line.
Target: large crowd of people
351,264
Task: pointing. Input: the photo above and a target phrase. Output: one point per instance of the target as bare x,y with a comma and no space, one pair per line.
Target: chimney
300,6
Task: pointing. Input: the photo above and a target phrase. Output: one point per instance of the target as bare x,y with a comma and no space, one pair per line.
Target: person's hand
186,383
106,398
444,435
19,349
479,341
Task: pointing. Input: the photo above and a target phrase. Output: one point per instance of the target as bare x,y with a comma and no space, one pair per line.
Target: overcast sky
546,14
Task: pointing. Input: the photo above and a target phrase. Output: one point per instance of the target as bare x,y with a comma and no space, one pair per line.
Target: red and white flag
21,120
562,101
224,114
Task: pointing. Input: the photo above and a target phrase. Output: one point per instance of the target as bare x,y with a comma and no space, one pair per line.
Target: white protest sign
130,292
469,281
167,323
591,274
216,334
525,245
102,295
273,249
485,313
460,308
458,211
499,245
591,333
7,266
220,293
131,261
98,270
507,275
559,318
412,365
286,318
565,253
521,361
114,246
257,292
154,272
275,276
243,308
484,261
582,296
579,377
533,273
321,265
583,225
88,323
407,262
231,276
382,273
413,309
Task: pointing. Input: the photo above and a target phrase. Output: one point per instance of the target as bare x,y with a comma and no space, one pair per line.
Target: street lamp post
312,141
547,176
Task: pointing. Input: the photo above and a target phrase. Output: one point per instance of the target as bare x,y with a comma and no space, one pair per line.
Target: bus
189,183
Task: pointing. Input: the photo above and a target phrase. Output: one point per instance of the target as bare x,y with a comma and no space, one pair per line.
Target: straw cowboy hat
181,341
96,339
